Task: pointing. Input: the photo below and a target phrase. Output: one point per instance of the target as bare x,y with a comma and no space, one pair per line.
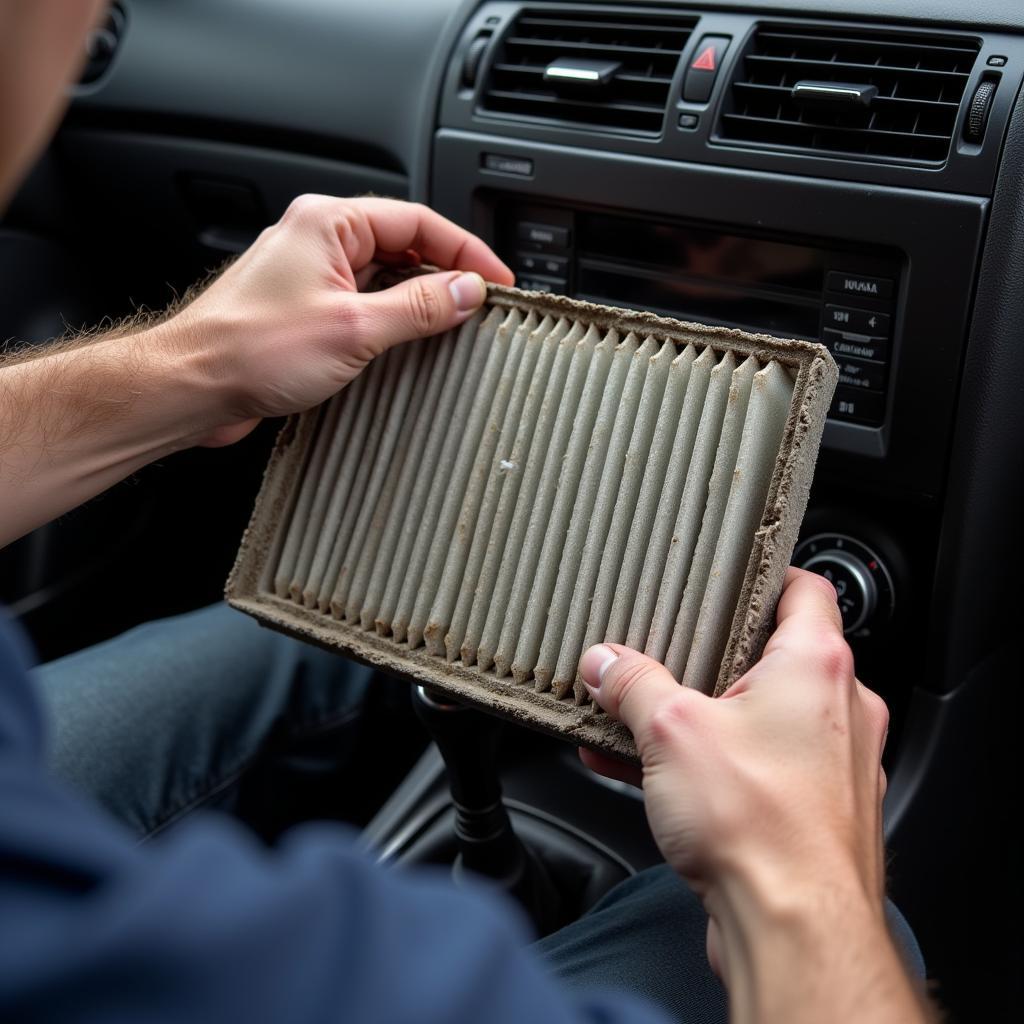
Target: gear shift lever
468,741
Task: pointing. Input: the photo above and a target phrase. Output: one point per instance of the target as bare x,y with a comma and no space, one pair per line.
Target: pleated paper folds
513,491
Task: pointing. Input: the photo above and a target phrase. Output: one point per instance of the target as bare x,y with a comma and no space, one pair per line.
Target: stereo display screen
700,274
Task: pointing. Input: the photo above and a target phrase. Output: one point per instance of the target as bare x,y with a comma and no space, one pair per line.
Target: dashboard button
862,374
520,166
557,266
703,69
864,589
857,406
859,321
844,345
544,234
859,284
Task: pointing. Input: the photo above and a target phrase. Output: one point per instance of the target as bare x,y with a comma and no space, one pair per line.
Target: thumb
629,685
422,306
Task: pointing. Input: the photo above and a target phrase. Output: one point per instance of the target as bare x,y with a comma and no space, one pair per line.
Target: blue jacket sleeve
207,925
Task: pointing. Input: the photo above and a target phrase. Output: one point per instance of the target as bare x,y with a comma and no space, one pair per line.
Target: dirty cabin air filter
479,507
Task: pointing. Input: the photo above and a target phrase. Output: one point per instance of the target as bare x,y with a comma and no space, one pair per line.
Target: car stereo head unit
844,298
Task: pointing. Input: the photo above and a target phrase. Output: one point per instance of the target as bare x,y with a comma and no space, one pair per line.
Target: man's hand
783,770
286,327
768,801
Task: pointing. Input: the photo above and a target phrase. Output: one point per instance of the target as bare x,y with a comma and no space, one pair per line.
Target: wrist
808,947
188,367
783,883
81,417
764,897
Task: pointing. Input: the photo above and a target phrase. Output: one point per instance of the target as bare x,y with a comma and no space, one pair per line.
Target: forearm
77,420
280,331
812,952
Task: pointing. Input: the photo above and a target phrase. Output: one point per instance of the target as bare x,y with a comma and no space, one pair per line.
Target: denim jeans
167,717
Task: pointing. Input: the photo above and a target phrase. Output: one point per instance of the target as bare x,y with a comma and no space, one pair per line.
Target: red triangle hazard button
706,60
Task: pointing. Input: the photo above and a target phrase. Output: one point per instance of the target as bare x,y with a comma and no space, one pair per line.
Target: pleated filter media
479,507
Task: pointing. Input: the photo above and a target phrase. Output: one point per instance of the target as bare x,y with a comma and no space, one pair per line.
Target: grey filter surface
479,507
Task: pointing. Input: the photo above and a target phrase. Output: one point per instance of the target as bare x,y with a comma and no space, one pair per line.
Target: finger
417,308
611,768
809,628
876,711
807,611
714,946
398,226
627,684
806,593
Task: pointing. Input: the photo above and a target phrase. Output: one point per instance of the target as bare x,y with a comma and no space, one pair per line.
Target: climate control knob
862,581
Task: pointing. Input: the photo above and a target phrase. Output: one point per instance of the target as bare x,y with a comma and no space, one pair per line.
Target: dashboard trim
969,168
939,234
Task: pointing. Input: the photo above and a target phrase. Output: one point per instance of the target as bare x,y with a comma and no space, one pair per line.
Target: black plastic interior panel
308,75
691,126
219,195
335,78
982,548
939,236
954,835
33,270
1006,14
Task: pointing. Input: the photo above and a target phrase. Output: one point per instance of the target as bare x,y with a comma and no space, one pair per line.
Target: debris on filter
505,466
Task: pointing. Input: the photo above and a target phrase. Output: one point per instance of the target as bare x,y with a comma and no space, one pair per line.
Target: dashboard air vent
601,69
851,94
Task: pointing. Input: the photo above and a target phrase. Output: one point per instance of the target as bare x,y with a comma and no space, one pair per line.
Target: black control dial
861,579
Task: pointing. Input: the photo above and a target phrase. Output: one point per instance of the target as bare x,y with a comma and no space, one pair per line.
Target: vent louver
479,507
910,89
642,50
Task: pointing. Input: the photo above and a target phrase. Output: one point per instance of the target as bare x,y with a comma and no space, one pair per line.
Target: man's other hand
782,769
285,327
768,801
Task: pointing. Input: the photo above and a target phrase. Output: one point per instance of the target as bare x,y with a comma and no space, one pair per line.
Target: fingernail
594,664
468,290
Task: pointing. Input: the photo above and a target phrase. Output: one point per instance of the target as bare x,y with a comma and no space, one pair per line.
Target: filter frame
250,586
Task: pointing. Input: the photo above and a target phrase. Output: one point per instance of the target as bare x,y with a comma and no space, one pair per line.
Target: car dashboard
848,173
